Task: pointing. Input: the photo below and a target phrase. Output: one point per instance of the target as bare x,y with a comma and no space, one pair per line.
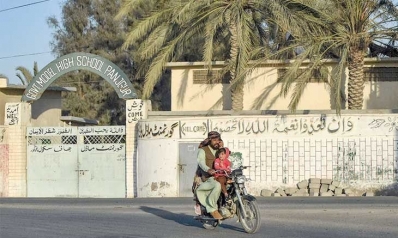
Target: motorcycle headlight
241,179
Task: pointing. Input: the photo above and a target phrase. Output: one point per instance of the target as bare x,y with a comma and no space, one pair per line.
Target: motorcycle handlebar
220,171
224,171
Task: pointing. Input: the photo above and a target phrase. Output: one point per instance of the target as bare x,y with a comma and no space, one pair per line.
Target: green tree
241,25
356,29
25,75
89,26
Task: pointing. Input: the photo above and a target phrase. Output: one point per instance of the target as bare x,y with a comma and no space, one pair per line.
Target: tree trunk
237,92
355,80
237,97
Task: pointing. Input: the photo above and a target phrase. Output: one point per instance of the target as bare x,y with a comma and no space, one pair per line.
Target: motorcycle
241,204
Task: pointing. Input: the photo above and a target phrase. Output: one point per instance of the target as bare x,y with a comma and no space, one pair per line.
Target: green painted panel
76,161
102,170
79,61
52,163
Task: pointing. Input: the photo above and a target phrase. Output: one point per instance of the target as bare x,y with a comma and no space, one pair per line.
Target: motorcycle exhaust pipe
203,218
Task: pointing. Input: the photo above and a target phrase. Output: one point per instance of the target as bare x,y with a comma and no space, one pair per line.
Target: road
318,217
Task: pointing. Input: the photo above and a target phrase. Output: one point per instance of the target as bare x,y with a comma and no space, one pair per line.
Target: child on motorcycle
223,168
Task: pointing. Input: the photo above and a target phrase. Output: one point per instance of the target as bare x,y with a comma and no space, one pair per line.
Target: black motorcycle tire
253,221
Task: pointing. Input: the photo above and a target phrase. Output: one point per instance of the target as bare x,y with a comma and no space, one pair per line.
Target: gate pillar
136,109
17,118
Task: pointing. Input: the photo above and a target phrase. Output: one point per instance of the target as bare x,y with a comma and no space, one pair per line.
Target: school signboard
80,61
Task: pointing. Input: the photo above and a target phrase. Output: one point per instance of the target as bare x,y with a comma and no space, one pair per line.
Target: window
209,77
317,76
381,74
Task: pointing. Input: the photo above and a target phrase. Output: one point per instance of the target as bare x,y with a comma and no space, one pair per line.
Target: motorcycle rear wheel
251,223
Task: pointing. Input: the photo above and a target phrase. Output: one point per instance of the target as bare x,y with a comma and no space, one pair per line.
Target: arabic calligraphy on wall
391,123
135,110
290,125
12,116
158,130
102,148
313,125
70,148
282,125
51,149
41,131
102,130
240,126
85,130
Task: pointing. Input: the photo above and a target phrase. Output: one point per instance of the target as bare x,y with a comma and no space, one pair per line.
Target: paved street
319,217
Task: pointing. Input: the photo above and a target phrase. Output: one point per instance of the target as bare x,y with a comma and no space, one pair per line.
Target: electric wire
22,55
25,5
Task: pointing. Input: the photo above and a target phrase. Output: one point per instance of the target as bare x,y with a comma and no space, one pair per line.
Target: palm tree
356,28
25,75
243,24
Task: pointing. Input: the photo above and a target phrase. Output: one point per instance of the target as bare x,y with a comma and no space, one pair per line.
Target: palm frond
25,75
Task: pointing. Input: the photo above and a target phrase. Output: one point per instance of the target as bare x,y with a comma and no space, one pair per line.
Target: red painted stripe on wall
4,170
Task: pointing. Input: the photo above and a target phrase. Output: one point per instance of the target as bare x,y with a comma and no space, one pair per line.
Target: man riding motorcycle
209,190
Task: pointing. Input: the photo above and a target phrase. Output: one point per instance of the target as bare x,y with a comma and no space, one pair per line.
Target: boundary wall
359,149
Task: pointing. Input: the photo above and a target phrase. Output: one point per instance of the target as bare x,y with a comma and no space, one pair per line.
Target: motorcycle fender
249,197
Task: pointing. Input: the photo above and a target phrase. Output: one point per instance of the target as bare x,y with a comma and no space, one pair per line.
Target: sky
25,31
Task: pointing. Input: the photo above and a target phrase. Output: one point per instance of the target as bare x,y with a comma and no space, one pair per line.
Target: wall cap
154,114
271,62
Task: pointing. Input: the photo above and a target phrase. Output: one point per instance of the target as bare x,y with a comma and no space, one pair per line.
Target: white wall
358,149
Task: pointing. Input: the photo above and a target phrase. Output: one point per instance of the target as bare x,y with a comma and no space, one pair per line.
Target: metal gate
76,162
188,153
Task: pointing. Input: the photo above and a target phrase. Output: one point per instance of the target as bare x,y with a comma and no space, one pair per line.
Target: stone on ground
314,185
302,184
338,191
315,180
324,188
327,194
281,192
336,183
290,191
332,187
326,181
266,193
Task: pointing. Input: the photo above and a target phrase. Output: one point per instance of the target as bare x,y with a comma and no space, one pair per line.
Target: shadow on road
183,219
389,190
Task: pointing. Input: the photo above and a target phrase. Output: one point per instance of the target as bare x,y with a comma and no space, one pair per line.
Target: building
191,89
47,111
15,118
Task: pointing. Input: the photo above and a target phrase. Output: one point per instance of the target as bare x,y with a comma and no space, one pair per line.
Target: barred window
104,139
209,77
51,140
380,74
317,76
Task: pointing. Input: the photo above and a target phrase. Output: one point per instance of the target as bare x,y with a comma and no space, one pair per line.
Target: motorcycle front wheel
252,221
